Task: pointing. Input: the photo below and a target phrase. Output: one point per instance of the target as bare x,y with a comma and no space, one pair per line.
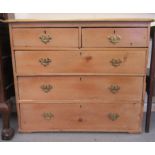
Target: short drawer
107,62
114,37
45,37
106,88
81,117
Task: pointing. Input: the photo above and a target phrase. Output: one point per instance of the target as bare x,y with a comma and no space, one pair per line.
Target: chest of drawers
80,75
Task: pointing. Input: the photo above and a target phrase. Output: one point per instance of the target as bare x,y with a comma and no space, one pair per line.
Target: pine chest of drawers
80,75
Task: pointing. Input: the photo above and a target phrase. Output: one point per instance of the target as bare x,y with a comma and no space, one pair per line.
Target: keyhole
80,106
80,53
45,31
114,31
80,78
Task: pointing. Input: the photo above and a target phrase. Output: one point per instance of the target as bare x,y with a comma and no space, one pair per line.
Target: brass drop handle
116,62
45,38
46,87
113,116
114,88
45,61
48,115
114,38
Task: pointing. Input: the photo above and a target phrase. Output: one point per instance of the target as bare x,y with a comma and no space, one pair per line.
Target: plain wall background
82,15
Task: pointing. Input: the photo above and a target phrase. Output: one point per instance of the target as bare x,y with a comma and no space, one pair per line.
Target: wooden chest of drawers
80,75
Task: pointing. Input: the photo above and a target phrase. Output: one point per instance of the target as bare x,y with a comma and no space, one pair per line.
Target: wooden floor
83,137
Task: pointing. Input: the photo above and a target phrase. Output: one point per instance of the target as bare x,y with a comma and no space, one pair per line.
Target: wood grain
80,117
129,37
28,62
81,88
60,37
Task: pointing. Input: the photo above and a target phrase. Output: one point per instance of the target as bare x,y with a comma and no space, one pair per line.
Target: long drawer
111,61
45,37
106,88
80,117
114,37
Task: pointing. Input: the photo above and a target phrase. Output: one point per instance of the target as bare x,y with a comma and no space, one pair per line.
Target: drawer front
46,62
45,37
106,88
81,117
114,37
